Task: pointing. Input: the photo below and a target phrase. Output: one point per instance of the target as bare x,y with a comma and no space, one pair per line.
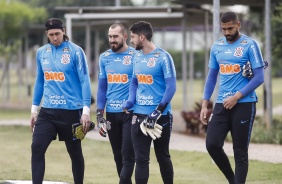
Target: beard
116,46
232,38
139,46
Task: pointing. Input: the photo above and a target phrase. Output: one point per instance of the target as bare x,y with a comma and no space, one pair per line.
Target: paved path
179,141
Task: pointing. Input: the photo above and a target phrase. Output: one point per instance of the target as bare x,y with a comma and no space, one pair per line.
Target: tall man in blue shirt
238,60
152,88
115,73
64,84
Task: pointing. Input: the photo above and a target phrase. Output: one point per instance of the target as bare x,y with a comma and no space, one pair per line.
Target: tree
15,17
277,41
256,26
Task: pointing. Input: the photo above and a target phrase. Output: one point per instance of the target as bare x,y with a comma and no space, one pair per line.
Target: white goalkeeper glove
154,133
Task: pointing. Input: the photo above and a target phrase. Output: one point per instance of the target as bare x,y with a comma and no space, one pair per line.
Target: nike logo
153,114
242,122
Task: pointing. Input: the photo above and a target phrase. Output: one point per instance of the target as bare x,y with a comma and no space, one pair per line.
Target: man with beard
152,88
115,72
238,60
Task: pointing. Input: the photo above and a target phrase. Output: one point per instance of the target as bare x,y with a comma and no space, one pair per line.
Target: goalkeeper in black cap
63,89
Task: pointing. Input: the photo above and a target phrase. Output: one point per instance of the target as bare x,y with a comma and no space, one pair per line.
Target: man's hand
126,105
152,118
85,120
231,101
102,123
33,119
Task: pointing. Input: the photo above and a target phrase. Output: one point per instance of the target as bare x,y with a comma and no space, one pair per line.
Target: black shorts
56,121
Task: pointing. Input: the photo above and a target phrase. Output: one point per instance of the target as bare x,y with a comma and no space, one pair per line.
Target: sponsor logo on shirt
157,54
238,51
66,49
229,68
228,52
144,79
65,59
49,49
55,76
117,60
57,99
220,42
45,61
107,53
243,42
126,60
117,78
145,100
151,62
228,94
115,104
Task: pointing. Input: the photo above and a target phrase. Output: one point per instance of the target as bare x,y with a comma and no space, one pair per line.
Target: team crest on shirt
151,62
238,51
65,59
126,60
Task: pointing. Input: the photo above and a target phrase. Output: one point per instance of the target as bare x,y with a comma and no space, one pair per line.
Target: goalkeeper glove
154,133
102,123
152,118
247,70
77,130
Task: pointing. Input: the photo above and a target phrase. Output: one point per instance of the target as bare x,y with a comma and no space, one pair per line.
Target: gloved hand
127,105
77,130
154,133
247,70
102,123
151,119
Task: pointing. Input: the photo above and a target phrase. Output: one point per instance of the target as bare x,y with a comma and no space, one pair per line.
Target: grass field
189,167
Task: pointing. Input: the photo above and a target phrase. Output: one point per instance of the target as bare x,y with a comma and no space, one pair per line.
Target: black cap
54,23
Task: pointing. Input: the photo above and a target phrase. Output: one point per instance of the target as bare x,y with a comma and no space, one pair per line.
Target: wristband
34,109
161,107
86,110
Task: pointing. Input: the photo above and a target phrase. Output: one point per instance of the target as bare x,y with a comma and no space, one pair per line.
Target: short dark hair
229,16
55,23
144,28
122,27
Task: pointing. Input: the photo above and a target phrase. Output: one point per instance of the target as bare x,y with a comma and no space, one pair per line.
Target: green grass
189,167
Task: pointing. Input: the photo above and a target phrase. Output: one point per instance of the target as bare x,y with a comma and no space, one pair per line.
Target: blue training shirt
229,60
117,69
62,77
151,71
